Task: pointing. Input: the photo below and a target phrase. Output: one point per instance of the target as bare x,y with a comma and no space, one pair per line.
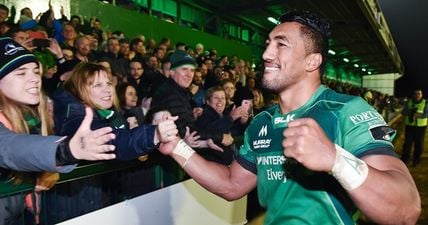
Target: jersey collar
280,120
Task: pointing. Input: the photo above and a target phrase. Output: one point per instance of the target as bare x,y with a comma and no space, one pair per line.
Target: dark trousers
413,135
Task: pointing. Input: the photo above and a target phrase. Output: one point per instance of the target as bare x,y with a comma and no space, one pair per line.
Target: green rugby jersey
293,194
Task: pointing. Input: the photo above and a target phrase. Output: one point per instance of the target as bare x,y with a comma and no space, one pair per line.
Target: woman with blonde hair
23,109
258,101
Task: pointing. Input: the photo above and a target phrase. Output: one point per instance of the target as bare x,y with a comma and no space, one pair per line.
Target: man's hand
87,144
55,49
192,139
306,142
166,130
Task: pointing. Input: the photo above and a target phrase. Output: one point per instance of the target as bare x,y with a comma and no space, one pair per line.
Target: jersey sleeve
364,131
246,156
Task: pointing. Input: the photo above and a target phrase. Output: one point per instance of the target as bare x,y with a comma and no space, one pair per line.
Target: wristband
349,170
183,150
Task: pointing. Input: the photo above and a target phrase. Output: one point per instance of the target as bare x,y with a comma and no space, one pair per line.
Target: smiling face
83,46
217,101
23,84
183,75
284,57
101,91
3,15
69,32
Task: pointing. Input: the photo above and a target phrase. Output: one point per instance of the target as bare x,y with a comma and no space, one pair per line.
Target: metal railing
91,186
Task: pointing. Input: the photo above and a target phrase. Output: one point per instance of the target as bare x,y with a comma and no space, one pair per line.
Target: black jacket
177,101
212,120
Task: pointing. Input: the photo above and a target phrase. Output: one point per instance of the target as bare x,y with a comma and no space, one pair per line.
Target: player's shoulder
267,113
264,117
334,100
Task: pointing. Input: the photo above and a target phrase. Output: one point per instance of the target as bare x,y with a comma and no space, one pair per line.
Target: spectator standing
118,64
213,118
69,36
135,78
4,13
44,153
229,87
96,29
174,96
137,46
129,105
197,89
258,101
91,85
415,118
23,110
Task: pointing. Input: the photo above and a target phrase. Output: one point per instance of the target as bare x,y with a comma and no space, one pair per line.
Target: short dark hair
179,44
23,10
4,8
75,17
135,41
123,40
314,29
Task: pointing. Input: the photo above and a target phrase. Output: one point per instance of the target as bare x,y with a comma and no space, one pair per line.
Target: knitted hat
181,58
12,56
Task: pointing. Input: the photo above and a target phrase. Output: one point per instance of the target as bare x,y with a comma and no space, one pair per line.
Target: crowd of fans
143,81
384,103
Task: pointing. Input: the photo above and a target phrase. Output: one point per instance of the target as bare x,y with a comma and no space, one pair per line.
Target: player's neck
296,96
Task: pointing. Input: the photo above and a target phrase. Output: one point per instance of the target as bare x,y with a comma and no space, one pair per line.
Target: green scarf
115,120
33,123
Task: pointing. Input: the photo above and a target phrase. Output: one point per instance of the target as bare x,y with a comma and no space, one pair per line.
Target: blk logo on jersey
287,119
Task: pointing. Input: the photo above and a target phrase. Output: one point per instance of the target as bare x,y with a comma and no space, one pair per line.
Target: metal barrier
92,186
